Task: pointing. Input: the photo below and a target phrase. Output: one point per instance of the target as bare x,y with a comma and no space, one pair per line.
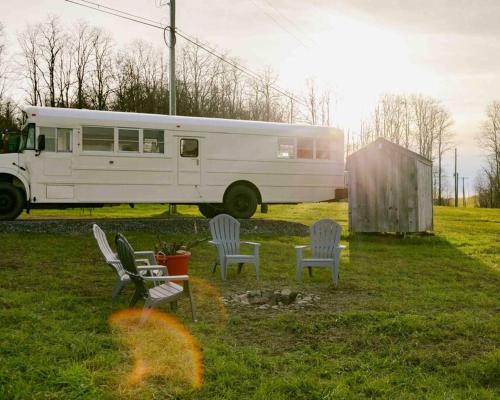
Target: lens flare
161,347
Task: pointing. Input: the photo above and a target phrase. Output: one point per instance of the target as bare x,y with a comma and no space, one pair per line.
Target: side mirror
41,143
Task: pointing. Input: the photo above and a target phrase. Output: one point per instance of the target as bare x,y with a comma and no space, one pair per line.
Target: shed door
189,161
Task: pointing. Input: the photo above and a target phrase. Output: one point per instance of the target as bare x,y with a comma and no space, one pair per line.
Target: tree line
84,68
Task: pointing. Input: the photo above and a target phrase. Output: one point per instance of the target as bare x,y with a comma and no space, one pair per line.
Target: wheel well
247,184
14,181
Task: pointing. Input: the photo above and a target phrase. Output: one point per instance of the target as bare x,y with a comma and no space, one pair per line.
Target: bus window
64,140
286,147
128,140
305,148
97,138
153,141
323,149
189,148
50,138
57,139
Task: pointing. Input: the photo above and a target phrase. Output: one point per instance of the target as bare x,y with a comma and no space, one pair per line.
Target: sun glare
161,347
360,61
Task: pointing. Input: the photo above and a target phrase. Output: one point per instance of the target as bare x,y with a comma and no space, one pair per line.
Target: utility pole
455,175
172,100
463,191
172,86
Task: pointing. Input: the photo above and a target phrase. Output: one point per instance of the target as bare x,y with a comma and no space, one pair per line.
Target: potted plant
175,255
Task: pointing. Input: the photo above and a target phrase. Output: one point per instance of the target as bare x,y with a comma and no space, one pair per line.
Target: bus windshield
27,138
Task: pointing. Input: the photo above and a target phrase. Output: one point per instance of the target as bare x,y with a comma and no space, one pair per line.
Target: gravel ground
163,226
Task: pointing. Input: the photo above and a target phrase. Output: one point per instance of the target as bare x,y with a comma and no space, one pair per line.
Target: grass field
413,318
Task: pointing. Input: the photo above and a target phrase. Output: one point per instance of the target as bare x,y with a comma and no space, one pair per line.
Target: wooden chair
146,258
166,292
325,247
225,232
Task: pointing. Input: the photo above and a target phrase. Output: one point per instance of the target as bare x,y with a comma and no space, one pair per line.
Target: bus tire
210,210
11,202
240,202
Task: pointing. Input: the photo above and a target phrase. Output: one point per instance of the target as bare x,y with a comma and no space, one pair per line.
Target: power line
154,24
240,68
278,23
112,13
284,16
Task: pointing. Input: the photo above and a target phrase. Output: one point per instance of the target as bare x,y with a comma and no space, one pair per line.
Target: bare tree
425,111
83,39
489,140
443,144
51,42
30,51
3,63
102,75
312,101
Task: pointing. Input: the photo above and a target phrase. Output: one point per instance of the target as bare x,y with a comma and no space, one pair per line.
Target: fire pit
272,299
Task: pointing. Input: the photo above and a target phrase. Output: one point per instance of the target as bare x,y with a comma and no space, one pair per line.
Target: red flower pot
176,264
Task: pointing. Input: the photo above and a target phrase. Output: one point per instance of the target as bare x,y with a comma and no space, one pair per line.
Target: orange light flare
161,347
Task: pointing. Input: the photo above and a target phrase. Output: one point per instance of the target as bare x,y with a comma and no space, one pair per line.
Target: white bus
83,158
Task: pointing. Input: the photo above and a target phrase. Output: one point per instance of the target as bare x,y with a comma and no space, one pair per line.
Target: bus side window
189,148
98,138
57,139
50,138
286,147
64,140
323,149
305,148
153,141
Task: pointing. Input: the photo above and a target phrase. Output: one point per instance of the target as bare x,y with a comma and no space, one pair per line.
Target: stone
255,301
288,296
263,307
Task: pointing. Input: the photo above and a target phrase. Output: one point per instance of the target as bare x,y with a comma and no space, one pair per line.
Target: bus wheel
11,202
210,210
240,202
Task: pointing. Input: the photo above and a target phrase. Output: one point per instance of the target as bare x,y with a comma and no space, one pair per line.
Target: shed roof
389,147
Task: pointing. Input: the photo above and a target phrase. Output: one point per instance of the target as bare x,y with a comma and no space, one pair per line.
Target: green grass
413,318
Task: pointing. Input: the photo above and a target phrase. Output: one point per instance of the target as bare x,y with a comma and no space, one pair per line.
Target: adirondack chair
325,247
166,292
225,232
146,258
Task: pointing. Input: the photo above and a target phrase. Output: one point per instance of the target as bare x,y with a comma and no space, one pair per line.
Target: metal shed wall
390,189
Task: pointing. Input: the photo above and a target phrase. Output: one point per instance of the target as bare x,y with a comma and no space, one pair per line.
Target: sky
448,49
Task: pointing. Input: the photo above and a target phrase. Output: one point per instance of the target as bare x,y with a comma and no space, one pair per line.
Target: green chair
165,292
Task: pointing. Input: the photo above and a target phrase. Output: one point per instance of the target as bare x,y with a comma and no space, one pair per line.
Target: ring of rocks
280,299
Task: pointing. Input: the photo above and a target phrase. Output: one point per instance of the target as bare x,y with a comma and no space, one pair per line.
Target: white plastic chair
146,258
166,291
325,247
225,232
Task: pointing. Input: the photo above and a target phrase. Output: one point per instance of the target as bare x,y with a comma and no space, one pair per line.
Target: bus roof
71,117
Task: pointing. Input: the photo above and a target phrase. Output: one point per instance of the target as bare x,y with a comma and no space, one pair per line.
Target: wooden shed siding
389,191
